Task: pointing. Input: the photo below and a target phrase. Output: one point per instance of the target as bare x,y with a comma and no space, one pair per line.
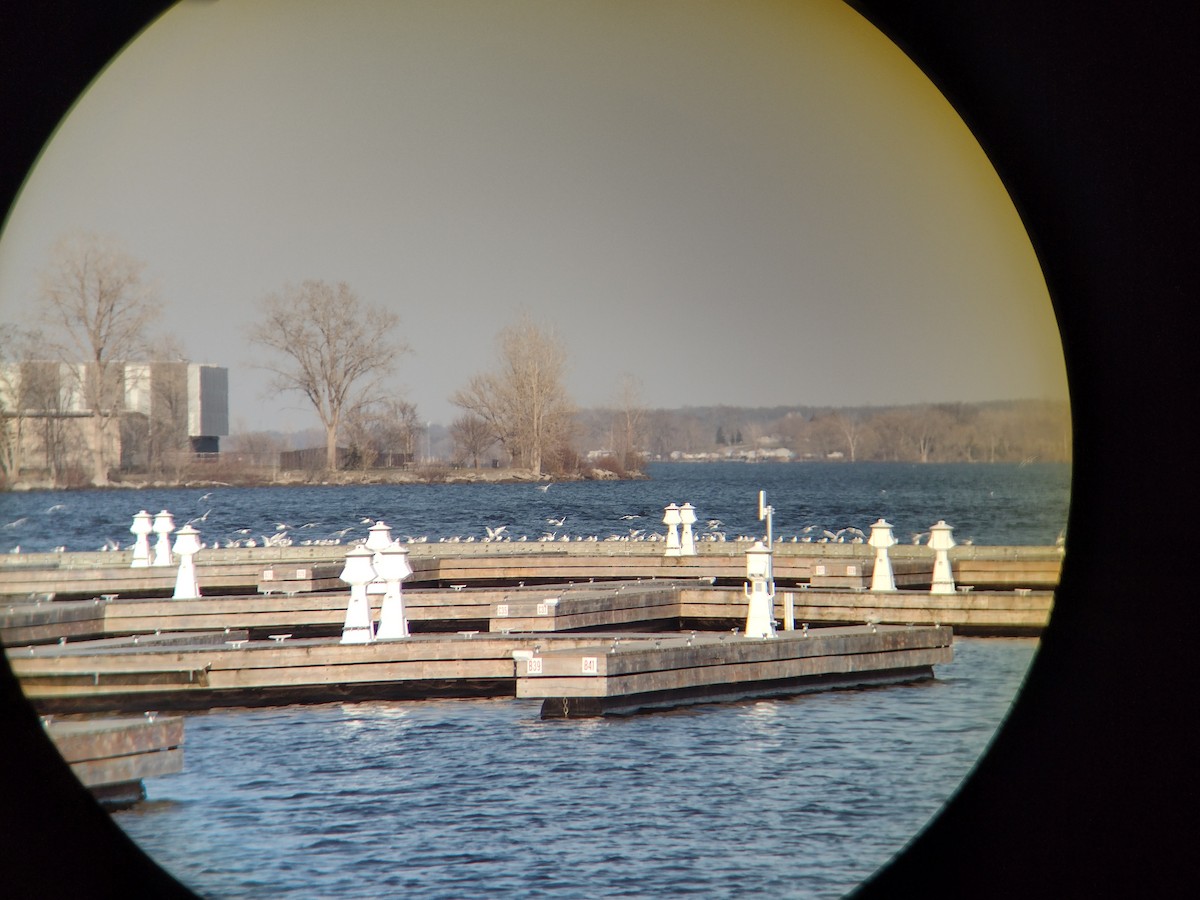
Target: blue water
799,797
996,504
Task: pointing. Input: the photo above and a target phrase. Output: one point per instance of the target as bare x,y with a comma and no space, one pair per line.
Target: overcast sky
747,203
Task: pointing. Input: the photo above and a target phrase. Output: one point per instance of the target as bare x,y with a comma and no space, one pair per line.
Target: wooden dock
649,605
295,570
111,757
95,635
219,669
1015,613
620,676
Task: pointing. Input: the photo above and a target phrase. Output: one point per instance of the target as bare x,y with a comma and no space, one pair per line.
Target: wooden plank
685,651
78,741
732,674
122,769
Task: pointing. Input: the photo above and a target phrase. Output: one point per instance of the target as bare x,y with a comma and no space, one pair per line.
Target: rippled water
800,797
989,504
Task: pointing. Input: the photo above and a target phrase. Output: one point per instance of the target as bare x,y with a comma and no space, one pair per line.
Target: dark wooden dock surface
112,756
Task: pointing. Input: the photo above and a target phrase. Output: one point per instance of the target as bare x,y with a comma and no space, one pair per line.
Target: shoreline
428,475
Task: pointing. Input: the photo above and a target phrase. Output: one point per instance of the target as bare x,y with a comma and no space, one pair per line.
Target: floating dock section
110,757
218,669
619,677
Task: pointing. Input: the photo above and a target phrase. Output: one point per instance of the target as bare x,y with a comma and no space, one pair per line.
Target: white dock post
358,573
164,524
760,617
789,611
671,519
379,536
393,567
187,545
143,524
882,538
941,542
687,540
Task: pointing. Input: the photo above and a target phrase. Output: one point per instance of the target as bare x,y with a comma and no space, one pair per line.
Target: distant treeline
996,431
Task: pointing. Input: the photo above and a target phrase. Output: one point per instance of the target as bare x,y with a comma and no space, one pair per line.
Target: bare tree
851,427
628,417
97,308
382,433
472,438
331,347
525,402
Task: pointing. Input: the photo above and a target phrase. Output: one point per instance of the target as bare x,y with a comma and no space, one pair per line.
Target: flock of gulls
286,534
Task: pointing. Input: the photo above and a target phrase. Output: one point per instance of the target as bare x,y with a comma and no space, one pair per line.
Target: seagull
916,538
714,524
560,521
494,533
544,487
205,497
17,523
56,507
203,518
631,517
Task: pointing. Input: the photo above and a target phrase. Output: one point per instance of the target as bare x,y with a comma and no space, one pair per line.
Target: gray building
164,409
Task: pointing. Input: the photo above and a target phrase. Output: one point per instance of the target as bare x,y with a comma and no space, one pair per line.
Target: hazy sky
748,203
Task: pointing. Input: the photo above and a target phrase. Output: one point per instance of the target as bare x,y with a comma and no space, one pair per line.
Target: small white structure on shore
143,524
187,545
358,573
941,542
760,616
882,539
392,567
164,524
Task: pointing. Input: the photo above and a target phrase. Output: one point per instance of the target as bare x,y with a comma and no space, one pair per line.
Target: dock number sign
589,665
533,666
